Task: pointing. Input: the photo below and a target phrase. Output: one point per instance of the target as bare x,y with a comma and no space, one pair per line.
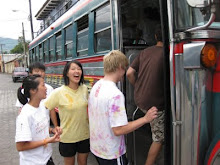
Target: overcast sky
11,22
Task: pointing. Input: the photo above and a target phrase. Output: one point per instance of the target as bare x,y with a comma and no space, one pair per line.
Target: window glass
82,36
103,41
102,29
102,17
69,41
35,54
51,48
186,17
40,53
58,46
69,50
32,55
45,50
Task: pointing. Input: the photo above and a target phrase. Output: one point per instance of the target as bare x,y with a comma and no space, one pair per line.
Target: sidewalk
8,114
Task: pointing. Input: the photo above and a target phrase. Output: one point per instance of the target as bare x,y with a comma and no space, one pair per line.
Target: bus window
58,46
36,54
30,56
82,36
40,53
51,48
102,29
69,41
45,50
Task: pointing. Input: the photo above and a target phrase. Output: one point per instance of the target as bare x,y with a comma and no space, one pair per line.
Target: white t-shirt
49,90
32,124
106,109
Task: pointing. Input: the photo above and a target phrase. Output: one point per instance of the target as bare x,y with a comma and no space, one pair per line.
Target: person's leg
69,160
154,151
68,151
82,158
157,129
83,149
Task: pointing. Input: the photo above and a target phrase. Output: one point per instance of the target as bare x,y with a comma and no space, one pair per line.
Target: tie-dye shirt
106,109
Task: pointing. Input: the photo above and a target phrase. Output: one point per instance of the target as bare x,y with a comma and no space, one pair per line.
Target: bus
86,30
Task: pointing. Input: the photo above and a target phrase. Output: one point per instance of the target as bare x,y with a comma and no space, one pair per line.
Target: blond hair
113,60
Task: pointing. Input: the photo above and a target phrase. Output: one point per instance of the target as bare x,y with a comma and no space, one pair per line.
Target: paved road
8,113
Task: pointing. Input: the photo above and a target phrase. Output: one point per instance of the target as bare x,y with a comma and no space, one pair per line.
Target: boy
107,114
38,68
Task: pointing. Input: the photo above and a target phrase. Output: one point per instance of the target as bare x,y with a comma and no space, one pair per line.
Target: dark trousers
122,160
50,161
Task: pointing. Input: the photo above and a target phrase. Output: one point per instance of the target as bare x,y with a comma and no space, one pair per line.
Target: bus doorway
138,21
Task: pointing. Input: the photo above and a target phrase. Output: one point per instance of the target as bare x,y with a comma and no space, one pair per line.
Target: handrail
133,133
211,20
172,90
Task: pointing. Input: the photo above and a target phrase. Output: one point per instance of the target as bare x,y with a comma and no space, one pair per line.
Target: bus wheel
212,155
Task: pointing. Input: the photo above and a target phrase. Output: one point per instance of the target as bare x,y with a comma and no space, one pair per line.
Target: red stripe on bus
59,22
56,63
216,82
93,59
213,153
213,79
87,76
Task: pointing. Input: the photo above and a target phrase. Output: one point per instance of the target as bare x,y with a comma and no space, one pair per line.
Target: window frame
96,32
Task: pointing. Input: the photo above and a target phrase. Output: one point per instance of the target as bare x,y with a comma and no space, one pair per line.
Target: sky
11,22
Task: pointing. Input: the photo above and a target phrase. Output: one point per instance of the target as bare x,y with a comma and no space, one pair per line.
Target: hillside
8,43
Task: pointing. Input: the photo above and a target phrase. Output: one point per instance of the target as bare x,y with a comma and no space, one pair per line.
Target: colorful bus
86,30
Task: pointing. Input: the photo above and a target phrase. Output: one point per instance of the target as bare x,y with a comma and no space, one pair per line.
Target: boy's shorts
70,149
122,160
157,127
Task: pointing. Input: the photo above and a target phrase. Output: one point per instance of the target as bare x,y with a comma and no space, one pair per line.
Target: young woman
72,101
32,125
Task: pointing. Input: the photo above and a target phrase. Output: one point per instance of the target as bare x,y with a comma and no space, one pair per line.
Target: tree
19,48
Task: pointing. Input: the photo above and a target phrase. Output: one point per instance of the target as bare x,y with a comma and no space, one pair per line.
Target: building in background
10,61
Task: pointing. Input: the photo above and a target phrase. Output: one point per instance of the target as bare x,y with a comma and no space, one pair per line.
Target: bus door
138,19
195,82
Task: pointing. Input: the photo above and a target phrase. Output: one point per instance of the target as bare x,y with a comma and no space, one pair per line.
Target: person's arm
133,125
53,117
131,75
23,146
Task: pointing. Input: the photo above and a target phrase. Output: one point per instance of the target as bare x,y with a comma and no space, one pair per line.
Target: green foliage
19,48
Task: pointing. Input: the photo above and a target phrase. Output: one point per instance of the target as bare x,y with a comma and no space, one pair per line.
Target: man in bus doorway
148,90
107,115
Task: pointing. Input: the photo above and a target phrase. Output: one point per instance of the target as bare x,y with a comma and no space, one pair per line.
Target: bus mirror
198,3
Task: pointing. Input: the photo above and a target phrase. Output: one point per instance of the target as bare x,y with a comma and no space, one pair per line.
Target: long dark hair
30,82
66,70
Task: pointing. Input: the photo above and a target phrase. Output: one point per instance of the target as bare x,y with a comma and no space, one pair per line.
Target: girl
32,125
72,100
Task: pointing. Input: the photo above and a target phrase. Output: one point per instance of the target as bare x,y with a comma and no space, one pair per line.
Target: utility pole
32,31
3,62
24,45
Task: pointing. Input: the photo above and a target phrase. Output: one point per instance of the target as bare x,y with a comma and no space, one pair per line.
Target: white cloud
11,22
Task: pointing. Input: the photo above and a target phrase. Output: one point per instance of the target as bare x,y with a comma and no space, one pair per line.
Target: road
8,114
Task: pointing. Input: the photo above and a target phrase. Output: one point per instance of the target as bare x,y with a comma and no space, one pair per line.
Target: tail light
209,56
